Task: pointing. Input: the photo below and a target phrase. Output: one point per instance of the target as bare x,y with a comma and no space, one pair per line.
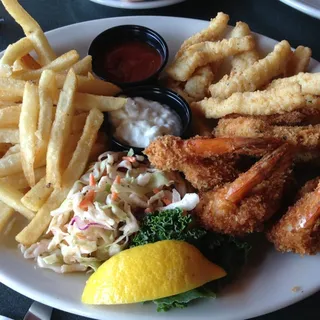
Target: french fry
11,164
42,47
92,86
27,127
61,63
9,116
78,122
31,233
47,92
84,146
21,16
12,87
215,29
83,101
70,148
19,181
12,150
86,102
299,61
278,100
5,104
197,86
6,214
9,136
9,97
83,66
32,29
14,52
29,63
99,146
203,53
256,76
37,196
12,197
61,129
4,147
242,61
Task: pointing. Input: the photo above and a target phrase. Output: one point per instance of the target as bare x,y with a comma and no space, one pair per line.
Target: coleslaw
102,210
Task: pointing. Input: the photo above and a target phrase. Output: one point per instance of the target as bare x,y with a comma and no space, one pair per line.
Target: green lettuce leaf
183,299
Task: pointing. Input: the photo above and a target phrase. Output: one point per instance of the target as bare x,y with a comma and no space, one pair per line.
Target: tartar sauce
141,121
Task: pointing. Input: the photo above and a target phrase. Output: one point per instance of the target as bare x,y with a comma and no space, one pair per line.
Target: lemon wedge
150,272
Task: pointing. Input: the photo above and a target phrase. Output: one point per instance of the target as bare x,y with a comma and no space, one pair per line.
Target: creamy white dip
141,121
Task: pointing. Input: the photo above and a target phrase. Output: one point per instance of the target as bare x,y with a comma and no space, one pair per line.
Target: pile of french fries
51,110
253,85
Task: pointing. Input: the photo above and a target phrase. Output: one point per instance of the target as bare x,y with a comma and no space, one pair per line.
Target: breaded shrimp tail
172,153
244,205
206,162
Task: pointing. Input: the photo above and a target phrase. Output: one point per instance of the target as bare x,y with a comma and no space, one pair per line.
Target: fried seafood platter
229,169
266,107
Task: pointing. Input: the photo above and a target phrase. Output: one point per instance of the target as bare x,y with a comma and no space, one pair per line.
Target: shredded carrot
156,190
130,159
114,196
166,201
92,180
117,180
87,200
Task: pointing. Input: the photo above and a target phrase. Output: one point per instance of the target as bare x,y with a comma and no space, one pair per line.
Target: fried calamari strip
276,100
197,86
216,27
242,61
309,83
203,53
255,76
299,61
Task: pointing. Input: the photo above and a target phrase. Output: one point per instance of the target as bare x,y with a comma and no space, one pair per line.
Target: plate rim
137,6
54,302
302,7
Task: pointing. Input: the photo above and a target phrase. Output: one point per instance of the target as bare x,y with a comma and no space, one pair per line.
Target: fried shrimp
171,153
206,162
303,116
307,138
243,205
299,229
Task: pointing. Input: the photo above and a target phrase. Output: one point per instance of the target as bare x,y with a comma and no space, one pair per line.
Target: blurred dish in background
310,7
137,4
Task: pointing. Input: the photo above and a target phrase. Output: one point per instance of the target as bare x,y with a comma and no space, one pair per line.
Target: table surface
270,18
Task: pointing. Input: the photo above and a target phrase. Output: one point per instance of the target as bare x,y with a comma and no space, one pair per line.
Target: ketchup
132,61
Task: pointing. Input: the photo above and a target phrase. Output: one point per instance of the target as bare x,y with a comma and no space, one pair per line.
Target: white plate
310,7
149,4
264,287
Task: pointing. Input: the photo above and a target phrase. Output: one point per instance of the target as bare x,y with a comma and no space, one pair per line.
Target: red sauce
132,61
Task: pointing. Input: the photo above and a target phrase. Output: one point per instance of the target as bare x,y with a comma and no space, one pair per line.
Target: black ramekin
161,95
121,34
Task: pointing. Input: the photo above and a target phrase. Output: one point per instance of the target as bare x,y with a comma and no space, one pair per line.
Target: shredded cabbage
98,217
